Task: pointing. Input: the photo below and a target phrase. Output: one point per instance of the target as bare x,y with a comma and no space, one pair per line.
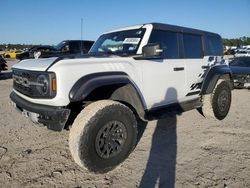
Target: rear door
196,63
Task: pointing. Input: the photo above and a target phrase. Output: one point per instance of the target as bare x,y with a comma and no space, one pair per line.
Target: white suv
142,72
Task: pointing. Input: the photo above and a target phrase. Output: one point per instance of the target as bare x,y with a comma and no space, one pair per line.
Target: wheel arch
213,75
116,86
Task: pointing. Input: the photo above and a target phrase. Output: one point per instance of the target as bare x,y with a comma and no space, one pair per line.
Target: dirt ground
183,151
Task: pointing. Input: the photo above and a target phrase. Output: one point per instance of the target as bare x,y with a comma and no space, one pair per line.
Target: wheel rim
110,139
223,100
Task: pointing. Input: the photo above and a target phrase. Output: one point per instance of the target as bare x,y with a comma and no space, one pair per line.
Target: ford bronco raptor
143,72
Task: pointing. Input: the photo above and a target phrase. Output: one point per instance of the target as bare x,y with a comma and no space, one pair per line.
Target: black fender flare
213,75
128,91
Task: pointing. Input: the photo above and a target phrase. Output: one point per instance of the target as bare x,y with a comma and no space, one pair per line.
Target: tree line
15,46
242,41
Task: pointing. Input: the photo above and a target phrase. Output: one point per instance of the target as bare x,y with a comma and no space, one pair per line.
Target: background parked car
63,48
12,54
3,64
69,47
242,53
240,67
30,52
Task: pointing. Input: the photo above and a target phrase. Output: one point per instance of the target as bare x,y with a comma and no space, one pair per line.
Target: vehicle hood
42,64
35,64
240,70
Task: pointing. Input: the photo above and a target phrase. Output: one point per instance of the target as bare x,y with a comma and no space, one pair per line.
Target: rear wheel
103,135
217,104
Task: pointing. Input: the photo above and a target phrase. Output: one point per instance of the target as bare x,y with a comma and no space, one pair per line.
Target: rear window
192,46
214,45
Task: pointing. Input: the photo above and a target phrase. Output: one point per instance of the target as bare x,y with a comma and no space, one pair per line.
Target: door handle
205,66
178,68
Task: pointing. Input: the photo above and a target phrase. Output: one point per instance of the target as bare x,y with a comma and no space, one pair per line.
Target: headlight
45,85
42,85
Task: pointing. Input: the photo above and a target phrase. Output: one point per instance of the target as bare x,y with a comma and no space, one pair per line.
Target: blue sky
51,21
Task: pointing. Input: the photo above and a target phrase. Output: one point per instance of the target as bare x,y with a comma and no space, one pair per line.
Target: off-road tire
86,128
211,106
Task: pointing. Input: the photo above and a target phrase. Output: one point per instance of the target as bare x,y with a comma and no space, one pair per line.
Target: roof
163,26
77,41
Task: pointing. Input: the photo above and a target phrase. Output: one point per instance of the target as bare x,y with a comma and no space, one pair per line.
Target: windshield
60,45
119,43
243,62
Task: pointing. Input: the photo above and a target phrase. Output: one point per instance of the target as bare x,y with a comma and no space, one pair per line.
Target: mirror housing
151,50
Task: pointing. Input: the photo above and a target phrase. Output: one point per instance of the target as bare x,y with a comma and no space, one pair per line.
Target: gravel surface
181,151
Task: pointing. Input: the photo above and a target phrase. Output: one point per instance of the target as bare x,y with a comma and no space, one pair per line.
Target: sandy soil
182,151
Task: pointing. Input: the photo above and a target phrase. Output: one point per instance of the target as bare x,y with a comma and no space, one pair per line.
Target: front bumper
52,117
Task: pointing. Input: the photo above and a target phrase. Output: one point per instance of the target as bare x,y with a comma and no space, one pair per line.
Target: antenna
81,35
81,28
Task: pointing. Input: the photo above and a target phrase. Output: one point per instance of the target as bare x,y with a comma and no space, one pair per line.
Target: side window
192,46
74,46
168,41
214,45
87,46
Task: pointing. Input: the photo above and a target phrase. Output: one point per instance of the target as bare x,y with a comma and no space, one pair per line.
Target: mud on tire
217,104
103,135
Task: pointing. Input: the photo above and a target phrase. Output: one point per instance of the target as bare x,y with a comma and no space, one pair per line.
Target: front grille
22,82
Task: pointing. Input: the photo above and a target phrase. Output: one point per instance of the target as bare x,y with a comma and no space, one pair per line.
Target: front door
164,78
164,81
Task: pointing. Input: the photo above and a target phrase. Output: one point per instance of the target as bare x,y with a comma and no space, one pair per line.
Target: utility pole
81,28
81,36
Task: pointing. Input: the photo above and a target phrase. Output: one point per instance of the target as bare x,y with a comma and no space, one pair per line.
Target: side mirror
151,50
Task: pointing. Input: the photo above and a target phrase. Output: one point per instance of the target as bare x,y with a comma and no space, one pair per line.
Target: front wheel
103,135
217,104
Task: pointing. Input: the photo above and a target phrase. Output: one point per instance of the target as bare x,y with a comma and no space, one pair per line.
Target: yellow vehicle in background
12,54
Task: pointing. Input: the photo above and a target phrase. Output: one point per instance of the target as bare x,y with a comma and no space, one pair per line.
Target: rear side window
214,46
168,42
192,46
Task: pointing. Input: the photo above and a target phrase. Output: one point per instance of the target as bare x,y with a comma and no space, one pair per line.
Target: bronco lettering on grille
21,80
